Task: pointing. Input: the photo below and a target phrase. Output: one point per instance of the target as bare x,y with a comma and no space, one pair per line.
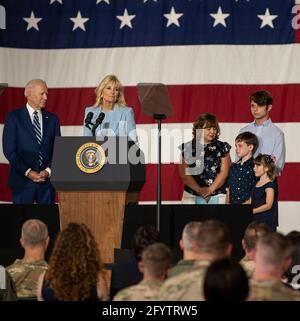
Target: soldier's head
143,237
189,236
156,260
292,271
213,240
226,281
272,254
34,234
252,233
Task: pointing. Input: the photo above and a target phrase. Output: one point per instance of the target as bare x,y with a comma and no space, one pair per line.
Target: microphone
88,119
98,122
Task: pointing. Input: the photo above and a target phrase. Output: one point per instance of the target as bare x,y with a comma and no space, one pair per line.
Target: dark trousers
39,193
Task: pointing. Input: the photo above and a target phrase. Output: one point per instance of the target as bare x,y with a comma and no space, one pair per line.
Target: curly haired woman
75,270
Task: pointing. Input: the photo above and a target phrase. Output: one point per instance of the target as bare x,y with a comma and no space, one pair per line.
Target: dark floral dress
204,163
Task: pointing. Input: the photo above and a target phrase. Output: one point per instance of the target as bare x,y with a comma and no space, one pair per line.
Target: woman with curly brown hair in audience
75,270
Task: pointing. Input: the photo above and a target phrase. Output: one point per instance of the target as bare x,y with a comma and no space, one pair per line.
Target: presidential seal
90,157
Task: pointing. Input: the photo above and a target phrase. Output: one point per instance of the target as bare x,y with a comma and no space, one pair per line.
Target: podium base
102,212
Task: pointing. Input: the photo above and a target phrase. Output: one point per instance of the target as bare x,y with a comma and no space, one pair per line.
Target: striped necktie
38,133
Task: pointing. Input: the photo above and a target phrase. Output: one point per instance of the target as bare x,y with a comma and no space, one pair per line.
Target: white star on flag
52,1
79,21
32,22
147,0
267,19
173,17
219,17
98,1
126,19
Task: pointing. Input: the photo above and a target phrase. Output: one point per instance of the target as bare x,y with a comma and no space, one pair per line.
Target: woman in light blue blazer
118,118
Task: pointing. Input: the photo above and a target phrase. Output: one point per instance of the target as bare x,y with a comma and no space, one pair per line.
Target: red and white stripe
216,78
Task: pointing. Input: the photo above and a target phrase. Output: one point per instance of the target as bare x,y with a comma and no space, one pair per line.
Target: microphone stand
88,126
159,118
98,122
93,130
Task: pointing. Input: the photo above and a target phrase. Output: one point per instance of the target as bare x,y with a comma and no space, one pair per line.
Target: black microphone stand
87,124
159,118
93,130
98,122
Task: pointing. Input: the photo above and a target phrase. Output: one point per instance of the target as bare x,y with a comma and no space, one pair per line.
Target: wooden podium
96,199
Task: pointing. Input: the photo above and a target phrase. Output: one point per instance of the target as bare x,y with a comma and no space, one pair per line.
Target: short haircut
262,98
143,237
294,237
213,238
157,259
253,232
272,250
34,232
190,234
31,83
226,281
206,120
248,138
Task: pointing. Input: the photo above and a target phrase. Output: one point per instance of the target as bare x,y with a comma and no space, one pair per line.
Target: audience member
156,260
214,243
75,269
291,277
189,246
25,272
272,259
225,281
254,231
127,273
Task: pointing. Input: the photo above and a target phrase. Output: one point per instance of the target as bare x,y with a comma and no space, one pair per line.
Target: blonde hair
104,82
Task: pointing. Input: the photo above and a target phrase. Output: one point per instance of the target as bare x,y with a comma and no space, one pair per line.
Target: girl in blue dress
264,194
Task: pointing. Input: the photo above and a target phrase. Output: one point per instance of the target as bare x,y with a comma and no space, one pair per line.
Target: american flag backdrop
212,54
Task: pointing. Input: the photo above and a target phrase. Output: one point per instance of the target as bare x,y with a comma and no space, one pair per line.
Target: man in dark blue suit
28,139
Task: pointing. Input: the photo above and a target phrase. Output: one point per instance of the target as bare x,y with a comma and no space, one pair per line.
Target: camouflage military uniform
186,286
248,265
271,291
25,276
7,291
181,266
143,291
